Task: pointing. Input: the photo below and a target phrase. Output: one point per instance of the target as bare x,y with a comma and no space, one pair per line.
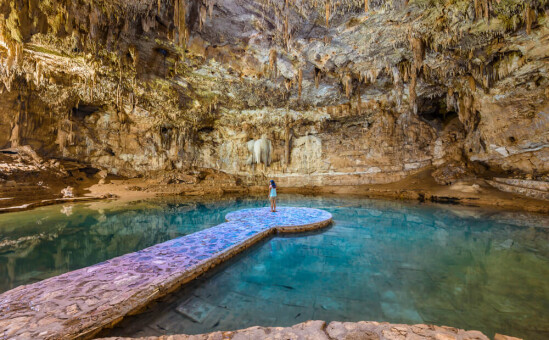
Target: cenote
380,260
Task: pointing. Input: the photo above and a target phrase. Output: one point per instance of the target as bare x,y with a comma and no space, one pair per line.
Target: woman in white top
272,195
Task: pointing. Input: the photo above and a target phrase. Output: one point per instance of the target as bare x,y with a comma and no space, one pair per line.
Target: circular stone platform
285,219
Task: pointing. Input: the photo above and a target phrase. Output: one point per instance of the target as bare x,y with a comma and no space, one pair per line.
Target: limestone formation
67,192
374,90
260,151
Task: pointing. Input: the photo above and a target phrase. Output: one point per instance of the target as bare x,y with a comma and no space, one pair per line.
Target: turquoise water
49,241
381,260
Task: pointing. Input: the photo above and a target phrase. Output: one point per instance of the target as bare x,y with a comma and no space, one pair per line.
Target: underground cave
408,140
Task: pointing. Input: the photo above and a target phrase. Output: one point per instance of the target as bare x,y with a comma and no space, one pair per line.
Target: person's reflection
67,210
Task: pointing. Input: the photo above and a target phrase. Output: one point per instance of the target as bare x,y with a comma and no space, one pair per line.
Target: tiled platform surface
77,304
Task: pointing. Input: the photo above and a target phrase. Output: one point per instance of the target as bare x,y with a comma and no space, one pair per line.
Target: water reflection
41,243
384,261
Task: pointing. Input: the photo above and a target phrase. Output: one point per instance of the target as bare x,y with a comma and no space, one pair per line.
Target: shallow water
381,260
49,241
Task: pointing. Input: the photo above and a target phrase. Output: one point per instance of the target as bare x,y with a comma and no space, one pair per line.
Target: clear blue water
381,260
49,241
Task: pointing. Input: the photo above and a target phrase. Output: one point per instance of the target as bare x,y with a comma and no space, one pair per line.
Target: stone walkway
82,302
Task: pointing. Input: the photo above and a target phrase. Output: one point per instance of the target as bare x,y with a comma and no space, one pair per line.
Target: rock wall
341,92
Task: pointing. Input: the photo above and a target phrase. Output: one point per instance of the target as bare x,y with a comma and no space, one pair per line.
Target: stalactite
405,71
15,55
327,13
273,58
529,18
397,80
299,81
288,84
134,54
465,111
287,140
478,9
72,135
347,85
451,104
317,76
486,75
211,4
359,99
148,22
16,128
133,101
180,13
202,17
10,60
472,84
482,9
38,73
396,75
371,75
413,95
418,50
118,98
366,7
286,32
486,8
507,65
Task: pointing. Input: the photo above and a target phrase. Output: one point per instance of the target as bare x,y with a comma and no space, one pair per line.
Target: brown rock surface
318,330
344,94
504,337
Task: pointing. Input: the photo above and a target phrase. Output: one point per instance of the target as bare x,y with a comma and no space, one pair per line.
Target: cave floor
420,186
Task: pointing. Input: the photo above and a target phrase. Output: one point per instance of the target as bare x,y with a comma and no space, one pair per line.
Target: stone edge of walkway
202,267
172,282
298,228
335,330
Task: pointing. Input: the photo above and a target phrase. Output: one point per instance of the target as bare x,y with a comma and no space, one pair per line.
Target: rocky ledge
78,304
319,330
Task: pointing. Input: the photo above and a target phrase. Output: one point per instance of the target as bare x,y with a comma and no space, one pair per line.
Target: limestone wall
139,88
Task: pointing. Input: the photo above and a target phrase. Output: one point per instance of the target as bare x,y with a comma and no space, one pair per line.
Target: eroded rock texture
332,92
337,331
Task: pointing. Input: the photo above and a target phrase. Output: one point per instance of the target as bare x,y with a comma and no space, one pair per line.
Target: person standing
272,195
